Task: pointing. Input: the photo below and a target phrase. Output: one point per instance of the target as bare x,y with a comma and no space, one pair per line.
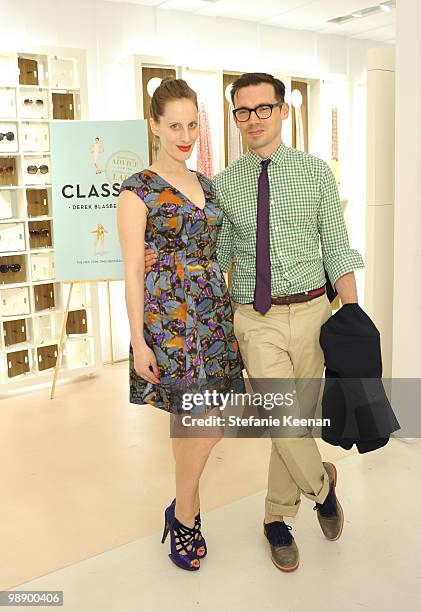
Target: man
280,205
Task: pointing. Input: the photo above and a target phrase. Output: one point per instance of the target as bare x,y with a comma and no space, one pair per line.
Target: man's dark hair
255,78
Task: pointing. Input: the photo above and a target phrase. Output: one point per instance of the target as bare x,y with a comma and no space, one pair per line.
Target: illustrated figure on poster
99,232
96,149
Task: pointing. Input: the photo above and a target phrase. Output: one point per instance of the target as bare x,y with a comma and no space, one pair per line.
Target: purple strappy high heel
182,540
199,540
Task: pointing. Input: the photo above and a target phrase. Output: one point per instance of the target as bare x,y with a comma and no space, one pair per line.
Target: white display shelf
19,346
64,90
41,282
74,337
39,87
43,313
14,317
42,250
13,285
11,253
34,120
37,185
48,341
58,73
8,70
12,219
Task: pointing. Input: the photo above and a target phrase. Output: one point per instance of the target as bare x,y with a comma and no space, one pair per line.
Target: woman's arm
131,221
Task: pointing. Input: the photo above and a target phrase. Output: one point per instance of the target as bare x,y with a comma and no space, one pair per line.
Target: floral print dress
188,318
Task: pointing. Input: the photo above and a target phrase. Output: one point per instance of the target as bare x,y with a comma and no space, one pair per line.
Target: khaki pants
284,343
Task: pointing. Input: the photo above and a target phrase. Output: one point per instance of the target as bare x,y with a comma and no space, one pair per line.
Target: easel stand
63,328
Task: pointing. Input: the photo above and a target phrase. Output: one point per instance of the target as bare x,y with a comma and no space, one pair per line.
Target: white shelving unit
35,89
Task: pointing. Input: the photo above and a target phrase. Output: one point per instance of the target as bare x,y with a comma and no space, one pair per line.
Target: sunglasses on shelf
14,267
43,169
28,102
39,232
6,169
7,136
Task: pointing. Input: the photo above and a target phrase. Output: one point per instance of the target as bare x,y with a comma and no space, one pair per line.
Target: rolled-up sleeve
225,240
338,257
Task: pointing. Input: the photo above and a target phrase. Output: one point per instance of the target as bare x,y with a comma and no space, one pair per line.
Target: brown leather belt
282,300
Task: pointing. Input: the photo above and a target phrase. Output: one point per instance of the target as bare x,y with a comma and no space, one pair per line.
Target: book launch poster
90,160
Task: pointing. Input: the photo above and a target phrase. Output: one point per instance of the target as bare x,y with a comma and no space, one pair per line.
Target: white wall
407,244
380,196
112,31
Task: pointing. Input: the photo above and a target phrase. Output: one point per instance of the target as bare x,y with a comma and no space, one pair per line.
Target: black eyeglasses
263,111
6,169
7,135
28,102
34,169
39,232
14,267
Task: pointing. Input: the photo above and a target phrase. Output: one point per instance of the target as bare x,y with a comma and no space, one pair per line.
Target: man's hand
150,259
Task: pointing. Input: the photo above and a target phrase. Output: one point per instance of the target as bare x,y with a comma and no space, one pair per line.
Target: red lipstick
184,149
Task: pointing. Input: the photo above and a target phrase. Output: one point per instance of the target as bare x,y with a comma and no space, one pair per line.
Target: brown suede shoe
282,545
330,513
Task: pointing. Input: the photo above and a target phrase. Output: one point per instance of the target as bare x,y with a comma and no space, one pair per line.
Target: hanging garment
204,143
334,164
155,148
299,129
235,143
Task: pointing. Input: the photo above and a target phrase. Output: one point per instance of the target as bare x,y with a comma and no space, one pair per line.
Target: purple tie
262,292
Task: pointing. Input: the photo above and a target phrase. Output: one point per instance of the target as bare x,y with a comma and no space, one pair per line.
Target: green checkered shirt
307,227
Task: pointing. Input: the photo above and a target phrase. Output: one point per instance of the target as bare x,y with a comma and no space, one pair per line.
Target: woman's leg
191,455
197,493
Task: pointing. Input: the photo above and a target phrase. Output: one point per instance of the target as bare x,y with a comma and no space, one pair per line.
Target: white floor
375,566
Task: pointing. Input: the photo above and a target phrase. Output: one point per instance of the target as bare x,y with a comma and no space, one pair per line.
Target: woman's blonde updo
170,89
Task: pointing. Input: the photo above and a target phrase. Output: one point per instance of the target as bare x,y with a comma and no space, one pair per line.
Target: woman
180,314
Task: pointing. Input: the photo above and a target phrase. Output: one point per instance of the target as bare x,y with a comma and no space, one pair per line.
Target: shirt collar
277,156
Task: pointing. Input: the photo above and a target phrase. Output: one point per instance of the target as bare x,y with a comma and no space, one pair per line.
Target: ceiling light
366,12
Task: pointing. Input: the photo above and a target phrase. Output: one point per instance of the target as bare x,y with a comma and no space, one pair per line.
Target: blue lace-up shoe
283,548
330,513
